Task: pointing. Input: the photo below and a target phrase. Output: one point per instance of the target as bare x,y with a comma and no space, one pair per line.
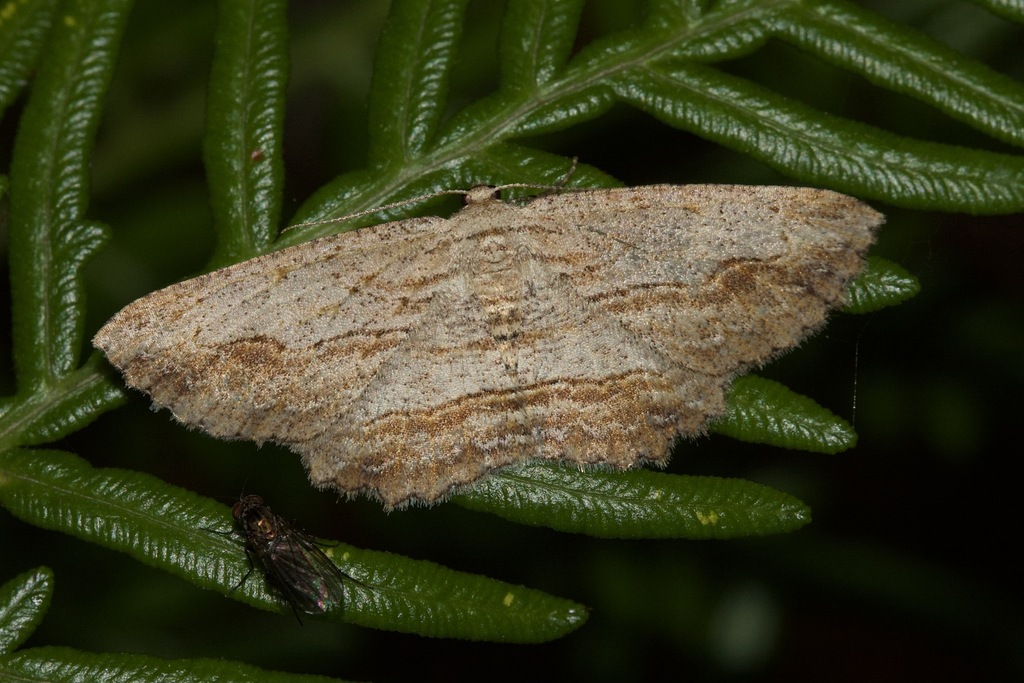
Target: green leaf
906,61
763,411
815,147
50,237
245,118
410,79
62,664
536,40
60,409
23,27
187,535
882,284
23,602
637,504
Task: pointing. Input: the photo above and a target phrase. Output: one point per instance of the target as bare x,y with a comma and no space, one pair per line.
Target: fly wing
306,577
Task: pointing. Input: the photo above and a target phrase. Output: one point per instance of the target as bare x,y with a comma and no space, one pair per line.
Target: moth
408,360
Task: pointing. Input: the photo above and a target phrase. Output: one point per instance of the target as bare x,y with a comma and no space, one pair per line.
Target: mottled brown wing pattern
412,358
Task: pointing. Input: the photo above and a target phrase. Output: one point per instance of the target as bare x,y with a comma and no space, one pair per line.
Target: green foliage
50,237
245,115
65,664
671,66
882,284
761,410
638,504
190,536
23,602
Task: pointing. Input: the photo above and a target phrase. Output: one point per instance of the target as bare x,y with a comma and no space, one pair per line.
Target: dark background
908,568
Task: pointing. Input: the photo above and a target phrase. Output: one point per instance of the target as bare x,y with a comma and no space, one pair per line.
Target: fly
290,558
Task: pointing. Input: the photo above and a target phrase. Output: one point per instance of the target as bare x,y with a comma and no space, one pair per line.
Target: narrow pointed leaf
636,504
823,149
410,78
245,119
23,603
882,284
536,39
50,237
62,408
763,411
64,665
906,61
